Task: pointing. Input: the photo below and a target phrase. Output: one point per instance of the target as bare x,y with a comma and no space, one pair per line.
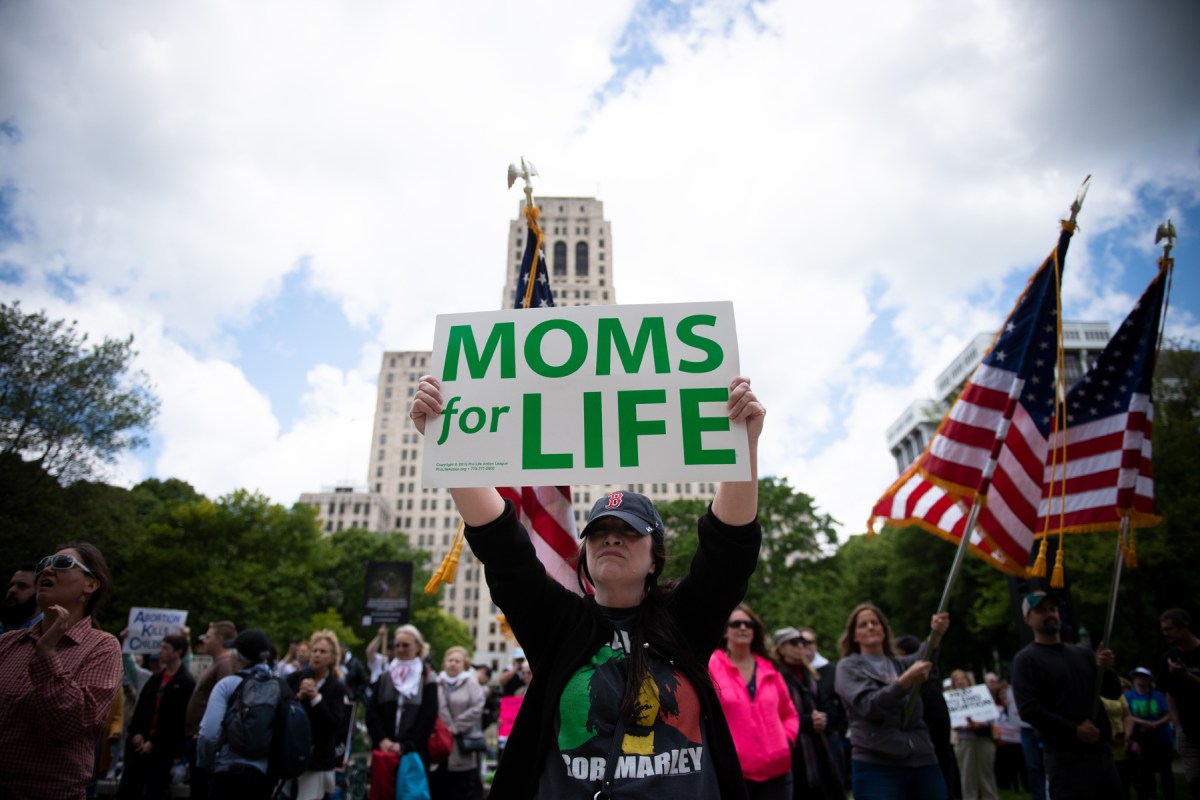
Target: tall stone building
578,244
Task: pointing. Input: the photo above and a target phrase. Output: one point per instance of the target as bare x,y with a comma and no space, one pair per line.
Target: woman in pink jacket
757,705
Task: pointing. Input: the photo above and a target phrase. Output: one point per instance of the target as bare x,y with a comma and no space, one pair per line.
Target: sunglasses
63,561
741,623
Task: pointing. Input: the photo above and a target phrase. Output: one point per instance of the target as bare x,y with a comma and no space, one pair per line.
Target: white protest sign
148,626
585,395
975,702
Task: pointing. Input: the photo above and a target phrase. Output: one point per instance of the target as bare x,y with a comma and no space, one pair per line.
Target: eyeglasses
63,561
804,642
741,623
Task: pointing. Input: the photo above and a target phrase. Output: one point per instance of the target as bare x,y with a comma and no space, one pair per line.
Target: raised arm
477,505
736,502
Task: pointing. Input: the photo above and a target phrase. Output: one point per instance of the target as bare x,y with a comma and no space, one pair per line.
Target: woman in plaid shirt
57,681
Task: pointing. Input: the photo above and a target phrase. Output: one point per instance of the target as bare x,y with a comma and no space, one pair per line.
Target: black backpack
263,720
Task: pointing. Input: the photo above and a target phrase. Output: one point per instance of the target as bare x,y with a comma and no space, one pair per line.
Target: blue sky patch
297,330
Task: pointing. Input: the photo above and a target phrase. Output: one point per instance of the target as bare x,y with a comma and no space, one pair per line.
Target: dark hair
758,645
483,667
26,566
178,642
846,643
1178,617
93,559
652,630
908,644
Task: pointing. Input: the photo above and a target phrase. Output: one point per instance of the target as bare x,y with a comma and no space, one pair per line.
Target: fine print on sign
148,626
974,702
585,394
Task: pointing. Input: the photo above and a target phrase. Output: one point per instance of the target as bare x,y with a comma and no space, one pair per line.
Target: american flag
993,442
1109,413
545,511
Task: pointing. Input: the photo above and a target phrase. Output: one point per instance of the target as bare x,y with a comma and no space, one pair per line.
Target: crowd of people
75,708
634,687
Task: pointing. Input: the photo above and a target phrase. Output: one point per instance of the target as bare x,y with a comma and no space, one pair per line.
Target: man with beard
1055,684
20,604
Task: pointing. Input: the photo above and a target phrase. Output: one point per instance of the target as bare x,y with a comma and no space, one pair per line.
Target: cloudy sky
268,195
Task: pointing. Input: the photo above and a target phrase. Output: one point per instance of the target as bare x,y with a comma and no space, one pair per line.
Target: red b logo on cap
614,500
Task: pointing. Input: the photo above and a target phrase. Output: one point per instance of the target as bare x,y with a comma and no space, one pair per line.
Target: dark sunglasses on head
741,623
63,561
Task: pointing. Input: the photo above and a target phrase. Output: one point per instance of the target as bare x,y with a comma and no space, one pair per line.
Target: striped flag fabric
992,445
545,511
1100,468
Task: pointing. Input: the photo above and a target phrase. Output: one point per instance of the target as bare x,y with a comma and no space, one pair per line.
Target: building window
581,259
560,258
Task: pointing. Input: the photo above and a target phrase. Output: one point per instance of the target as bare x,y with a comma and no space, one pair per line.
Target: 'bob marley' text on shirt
661,753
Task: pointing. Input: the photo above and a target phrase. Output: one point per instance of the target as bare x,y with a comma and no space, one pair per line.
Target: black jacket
560,632
168,737
326,718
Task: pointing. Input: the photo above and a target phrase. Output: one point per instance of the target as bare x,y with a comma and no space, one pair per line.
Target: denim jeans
1031,746
886,782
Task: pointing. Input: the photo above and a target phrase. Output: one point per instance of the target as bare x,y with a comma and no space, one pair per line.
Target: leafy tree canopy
63,404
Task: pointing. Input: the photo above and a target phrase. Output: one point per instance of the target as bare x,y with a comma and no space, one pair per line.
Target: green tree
240,557
64,405
793,535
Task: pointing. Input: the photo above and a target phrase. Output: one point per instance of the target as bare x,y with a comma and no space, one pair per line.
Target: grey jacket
875,703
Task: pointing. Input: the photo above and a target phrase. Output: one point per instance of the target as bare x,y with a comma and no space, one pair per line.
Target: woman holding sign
893,756
620,701
975,751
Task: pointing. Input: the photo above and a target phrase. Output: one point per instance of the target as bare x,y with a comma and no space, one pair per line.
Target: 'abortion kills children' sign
148,626
586,394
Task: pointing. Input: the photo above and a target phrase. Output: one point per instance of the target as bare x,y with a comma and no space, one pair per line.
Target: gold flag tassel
1130,552
1060,440
1038,570
531,217
1056,580
449,567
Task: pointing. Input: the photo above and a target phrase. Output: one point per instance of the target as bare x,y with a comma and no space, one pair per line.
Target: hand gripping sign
585,395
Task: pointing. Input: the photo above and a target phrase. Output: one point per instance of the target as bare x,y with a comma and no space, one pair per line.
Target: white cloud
864,186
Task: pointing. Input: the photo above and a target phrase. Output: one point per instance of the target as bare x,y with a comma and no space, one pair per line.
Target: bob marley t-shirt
662,753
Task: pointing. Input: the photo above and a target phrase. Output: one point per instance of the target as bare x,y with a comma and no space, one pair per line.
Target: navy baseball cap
634,509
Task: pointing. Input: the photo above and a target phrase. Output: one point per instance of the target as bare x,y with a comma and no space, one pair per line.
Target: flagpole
933,641
1165,231
1118,563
